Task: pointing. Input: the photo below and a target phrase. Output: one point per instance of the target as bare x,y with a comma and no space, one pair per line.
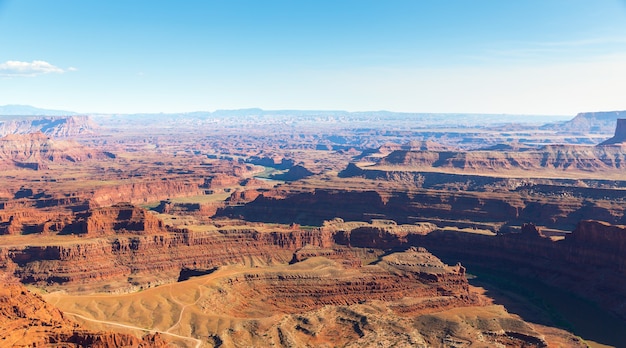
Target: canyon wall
131,242
37,151
546,205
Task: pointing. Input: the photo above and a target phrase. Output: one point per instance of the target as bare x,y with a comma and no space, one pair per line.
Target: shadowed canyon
265,228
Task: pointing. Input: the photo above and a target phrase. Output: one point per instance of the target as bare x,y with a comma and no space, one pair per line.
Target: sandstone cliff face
143,192
121,218
26,320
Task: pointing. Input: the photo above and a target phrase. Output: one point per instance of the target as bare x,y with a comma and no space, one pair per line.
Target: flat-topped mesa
620,134
220,181
121,218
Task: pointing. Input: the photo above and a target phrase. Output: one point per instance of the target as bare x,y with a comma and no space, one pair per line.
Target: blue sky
479,56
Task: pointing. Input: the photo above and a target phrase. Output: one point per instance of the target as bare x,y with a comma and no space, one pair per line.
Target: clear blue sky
479,56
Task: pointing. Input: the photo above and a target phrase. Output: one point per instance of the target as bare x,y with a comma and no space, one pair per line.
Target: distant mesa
620,134
54,126
514,146
589,122
561,158
27,110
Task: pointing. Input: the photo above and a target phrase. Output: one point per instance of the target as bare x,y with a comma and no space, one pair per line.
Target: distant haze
311,117
557,57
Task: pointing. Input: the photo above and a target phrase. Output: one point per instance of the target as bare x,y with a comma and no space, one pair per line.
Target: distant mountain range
594,122
27,110
461,119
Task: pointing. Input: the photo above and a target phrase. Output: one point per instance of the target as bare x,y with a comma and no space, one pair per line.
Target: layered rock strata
415,273
557,158
546,205
37,151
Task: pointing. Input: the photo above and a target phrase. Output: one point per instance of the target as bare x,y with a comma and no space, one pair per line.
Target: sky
549,57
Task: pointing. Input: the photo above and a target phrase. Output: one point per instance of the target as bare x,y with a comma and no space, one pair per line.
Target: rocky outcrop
220,181
620,134
120,218
26,320
143,192
31,220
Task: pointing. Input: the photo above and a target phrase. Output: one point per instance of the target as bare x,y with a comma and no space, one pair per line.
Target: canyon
320,232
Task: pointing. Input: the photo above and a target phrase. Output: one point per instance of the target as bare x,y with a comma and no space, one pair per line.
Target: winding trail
111,323
201,281
184,306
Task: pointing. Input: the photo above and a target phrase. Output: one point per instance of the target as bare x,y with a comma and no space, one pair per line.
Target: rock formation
620,134
219,181
563,158
120,218
294,173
